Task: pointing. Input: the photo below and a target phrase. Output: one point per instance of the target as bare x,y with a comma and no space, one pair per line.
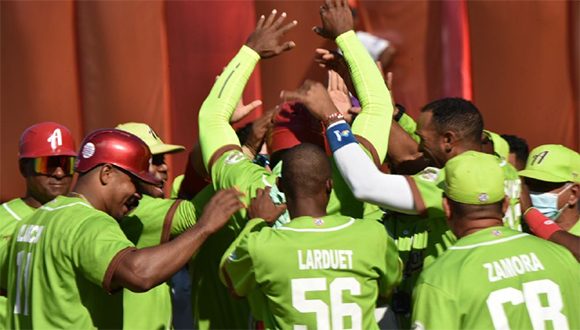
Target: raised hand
220,209
314,96
262,207
243,110
259,129
265,40
336,19
338,93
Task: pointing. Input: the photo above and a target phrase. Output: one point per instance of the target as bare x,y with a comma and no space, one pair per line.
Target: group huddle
335,210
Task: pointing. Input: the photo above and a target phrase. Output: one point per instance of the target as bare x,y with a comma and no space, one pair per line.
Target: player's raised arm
372,125
363,177
215,133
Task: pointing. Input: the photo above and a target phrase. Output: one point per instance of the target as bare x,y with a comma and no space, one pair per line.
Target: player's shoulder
15,209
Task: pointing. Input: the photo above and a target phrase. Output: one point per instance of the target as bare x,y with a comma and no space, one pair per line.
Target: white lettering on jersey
55,139
512,266
324,259
29,233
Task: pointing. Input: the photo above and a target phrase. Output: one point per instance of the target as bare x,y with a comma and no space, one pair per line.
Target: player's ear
574,195
106,174
446,208
449,139
329,185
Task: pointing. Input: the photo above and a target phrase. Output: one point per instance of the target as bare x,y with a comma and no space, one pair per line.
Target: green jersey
315,272
422,238
11,213
152,223
499,278
62,259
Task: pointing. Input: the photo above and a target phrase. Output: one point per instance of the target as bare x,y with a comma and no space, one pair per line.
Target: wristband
539,224
333,117
338,135
401,111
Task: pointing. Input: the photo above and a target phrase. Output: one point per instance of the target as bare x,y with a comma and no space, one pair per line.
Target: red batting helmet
116,147
46,139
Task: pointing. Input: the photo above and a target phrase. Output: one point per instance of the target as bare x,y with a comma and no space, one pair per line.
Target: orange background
94,64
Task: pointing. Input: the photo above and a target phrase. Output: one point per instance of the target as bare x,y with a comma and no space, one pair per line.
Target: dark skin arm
144,269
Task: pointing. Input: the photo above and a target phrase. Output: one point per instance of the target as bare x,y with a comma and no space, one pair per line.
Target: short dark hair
305,170
518,146
457,115
470,211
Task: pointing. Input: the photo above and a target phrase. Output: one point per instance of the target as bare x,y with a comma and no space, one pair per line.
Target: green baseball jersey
11,213
422,238
499,278
62,259
153,222
316,272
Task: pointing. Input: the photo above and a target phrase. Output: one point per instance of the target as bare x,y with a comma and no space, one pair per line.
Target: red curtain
93,64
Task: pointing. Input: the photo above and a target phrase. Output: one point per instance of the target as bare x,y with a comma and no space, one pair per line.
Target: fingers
321,32
332,81
390,81
341,85
260,23
329,3
291,95
279,21
270,18
288,27
285,47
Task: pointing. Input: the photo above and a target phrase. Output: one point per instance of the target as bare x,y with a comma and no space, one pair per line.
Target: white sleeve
370,185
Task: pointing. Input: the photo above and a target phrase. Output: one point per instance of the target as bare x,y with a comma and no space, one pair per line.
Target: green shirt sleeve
434,309
215,130
410,126
393,271
237,264
427,188
184,218
95,244
374,121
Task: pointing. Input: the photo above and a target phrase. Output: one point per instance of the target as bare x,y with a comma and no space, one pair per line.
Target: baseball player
493,277
315,271
229,167
64,255
46,153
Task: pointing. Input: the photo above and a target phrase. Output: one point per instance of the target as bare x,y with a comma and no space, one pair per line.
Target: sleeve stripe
113,267
166,232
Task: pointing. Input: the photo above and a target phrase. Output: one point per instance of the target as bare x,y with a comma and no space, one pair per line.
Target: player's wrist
539,224
338,135
332,118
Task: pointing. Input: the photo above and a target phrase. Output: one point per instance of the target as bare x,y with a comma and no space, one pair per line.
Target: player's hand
220,209
242,110
259,129
265,39
314,96
336,19
339,94
262,207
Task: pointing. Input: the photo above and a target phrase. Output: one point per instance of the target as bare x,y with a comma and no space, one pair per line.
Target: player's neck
473,226
300,207
31,201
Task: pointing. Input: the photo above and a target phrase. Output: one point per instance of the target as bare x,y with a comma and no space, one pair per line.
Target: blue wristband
339,135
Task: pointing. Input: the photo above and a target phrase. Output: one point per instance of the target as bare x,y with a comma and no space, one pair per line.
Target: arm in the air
372,125
236,264
363,177
215,131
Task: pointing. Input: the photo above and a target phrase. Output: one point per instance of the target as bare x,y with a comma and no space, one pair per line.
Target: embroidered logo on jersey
233,256
234,158
483,197
318,222
496,232
88,150
429,174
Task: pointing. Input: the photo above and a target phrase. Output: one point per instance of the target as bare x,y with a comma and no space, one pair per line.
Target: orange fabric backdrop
91,64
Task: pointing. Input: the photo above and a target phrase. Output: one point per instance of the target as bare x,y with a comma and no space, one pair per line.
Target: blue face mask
547,203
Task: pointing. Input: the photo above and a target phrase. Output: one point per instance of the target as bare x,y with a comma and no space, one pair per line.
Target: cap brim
541,176
166,149
147,178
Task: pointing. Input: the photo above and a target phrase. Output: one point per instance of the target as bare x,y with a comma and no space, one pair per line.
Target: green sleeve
95,244
175,185
237,264
214,116
374,121
434,309
393,271
410,126
428,194
184,218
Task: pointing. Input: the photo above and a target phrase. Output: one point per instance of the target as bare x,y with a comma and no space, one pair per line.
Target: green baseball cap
500,145
474,178
148,135
552,163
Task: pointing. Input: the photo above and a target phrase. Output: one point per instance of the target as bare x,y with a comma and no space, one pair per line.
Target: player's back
499,278
57,265
325,272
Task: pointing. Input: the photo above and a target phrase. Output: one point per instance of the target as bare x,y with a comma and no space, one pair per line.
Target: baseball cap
474,178
552,163
500,145
148,135
119,148
294,125
46,139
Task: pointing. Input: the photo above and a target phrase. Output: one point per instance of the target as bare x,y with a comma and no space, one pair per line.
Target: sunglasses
48,165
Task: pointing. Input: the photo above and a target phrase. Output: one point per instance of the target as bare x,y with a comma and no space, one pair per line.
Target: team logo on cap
55,139
318,222
483,197
496,232
88,150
